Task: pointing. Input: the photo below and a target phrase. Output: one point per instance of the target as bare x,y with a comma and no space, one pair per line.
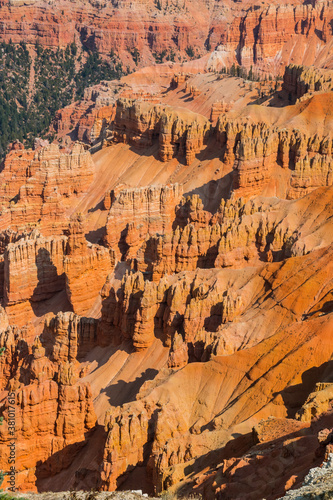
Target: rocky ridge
316,484
83,495
266,153
178,133
255,150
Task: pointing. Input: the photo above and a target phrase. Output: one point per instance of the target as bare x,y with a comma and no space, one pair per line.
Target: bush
190,52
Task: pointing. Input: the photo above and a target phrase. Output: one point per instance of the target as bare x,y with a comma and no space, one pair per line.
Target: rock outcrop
300,80
176,287
255,150
86,268
240,234
318,483
33,272
36,185
264,157
180,133
36,268
198,308
137,123
220,290
52,420
137,213
69,337
52,407
317,403
167,434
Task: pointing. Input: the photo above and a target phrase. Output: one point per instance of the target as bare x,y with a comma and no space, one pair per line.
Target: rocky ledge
84,495
318,484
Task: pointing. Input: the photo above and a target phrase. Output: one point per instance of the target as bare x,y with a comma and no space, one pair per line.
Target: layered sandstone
197,318
137,213
14,344
285,28
33,272
180,133
317,403
300,80
34,268
15,172
38,173
270,150
179,79
37,268
69,337
260,34
312,171
199,309
52,408
284,157
255,150
241,233
52,419
47,178
274,263
84,120
218,109
137,123
86,268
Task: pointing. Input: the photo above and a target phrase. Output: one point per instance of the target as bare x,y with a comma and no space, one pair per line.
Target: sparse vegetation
14,90
171,56
94,70
135,55
159,57
251,75
190,52
164,56
208,45
26,110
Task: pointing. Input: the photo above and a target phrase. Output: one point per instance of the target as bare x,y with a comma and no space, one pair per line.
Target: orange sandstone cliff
268,35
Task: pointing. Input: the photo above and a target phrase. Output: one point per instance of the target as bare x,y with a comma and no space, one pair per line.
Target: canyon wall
37,268
237,296
168,433
53,415
300,80
257,34
179,301
256,149
37,186
86,268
